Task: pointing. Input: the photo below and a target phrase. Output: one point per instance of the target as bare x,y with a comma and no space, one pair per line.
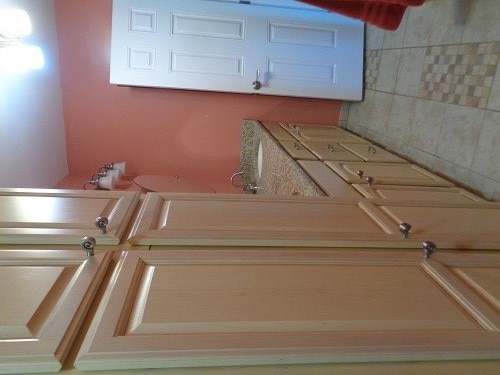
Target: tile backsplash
432,91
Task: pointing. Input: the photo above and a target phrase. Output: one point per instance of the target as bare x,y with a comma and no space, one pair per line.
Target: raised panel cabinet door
44,297
327,150
49,216
228,307
450,225
256,220
297,150
328,180
386,174
233,47
332,135
373,153
418,193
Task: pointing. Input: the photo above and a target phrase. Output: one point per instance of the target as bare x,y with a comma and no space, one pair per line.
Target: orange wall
157,131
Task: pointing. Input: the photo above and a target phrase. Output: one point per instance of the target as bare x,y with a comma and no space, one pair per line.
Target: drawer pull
102,223
428,248
404,229
88,244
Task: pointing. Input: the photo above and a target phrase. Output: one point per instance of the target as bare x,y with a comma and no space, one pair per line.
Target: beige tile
361,112
374,37
399,126
426,125
486,159
494,98
459,135
483,22
394,39
446,28
410,71
419,24
379,118
481,185
388,70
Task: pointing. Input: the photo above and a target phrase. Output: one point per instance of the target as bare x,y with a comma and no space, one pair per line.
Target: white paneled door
236,47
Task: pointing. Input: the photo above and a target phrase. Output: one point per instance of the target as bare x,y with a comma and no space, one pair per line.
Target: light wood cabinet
181,308
231,220
326,150
297,150
387,174
45,216
329,181
44,298
332,134
373,153
418,193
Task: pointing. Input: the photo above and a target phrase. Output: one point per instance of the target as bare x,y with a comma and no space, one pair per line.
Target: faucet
251,188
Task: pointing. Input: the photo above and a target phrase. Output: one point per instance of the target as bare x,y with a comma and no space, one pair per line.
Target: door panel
45,296
373,153
297,151
387,174
225,46
46,216
327,150
182,308
418,193
243,220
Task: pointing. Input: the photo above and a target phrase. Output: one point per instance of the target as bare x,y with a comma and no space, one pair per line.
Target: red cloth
386,14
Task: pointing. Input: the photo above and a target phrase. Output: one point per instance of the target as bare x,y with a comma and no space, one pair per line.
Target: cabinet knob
102,223
360,173
256,85
369,180
404,229
88,244
428,247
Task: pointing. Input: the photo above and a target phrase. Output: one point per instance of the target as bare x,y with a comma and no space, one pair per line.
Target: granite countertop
281,175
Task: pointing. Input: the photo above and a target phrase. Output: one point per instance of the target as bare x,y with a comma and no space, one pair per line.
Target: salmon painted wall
157,131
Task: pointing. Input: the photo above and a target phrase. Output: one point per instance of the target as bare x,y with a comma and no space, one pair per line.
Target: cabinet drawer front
45,216
373,153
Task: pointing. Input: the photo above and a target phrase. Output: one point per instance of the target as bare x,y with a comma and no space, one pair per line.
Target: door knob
256,85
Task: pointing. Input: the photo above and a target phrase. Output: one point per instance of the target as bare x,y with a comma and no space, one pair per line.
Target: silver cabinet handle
360,173
88,244
102,223
256,85
428,248
369,180
404,229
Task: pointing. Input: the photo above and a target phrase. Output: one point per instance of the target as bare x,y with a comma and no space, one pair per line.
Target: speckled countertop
281,175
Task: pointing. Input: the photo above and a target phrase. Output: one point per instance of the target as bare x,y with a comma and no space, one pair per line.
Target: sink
259,160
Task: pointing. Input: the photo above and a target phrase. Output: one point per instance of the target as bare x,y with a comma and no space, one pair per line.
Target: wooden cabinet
387,174
333,134
44,298
44,216
230,220
417,193
297,151
326,150
372,153
226,307
329,181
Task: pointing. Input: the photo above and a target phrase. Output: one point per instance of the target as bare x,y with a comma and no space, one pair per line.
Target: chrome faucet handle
251,188
234,176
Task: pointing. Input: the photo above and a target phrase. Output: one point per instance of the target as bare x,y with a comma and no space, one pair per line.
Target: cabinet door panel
243,220
45,216
326,150
297,151
387,174
45,296
467,226
181,308
373,153
418,193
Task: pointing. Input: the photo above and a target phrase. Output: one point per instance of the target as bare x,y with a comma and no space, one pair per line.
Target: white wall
32,140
